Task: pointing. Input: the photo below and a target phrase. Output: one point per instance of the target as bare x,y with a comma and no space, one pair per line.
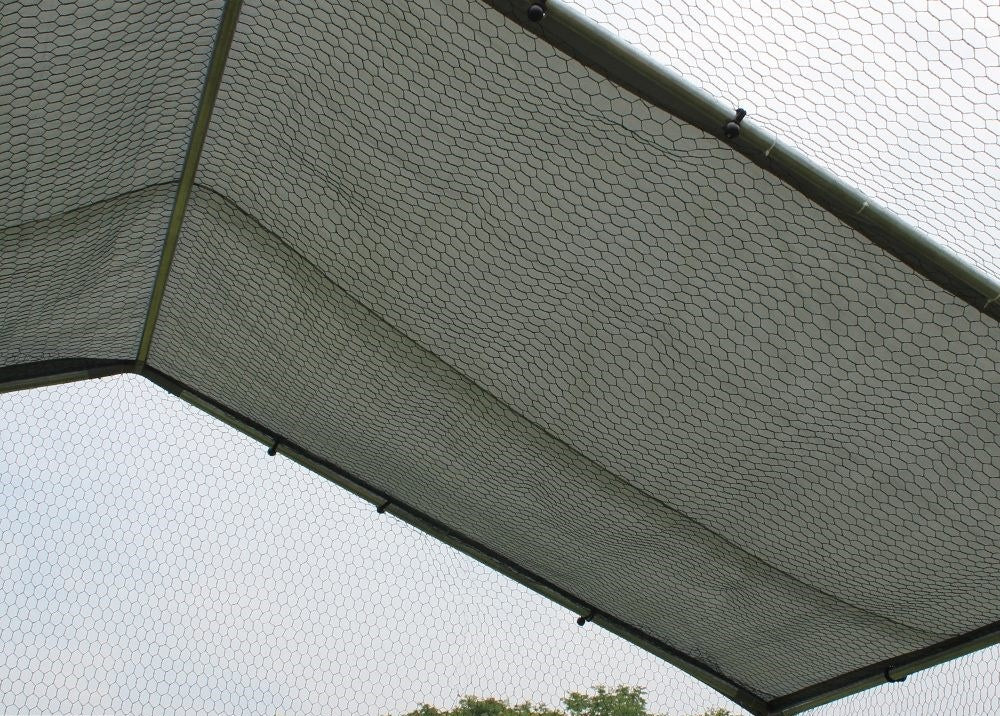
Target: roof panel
77,285
358,393
99,99
641,292
95,116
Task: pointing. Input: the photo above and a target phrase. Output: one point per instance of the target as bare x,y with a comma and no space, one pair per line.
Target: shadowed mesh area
96,110
567,328
78,284
414,428
98,99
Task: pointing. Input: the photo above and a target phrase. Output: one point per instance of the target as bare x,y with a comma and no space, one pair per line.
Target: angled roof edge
386,502
41,374
569,30
55,372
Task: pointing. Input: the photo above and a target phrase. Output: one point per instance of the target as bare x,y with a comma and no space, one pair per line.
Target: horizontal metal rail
64,370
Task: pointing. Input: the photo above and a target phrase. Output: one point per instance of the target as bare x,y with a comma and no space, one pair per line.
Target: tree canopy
620,701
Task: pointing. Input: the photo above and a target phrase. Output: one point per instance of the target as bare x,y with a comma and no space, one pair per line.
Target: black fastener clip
732,128
383,507
889,678
584,619
273,450
536,11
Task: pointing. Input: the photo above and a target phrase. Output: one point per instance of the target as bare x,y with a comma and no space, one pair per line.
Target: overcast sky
157,560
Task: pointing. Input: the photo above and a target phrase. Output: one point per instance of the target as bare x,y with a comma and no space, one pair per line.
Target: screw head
732,130
536,12
581,620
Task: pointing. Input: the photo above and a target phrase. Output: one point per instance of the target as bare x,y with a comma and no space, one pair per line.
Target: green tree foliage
621,701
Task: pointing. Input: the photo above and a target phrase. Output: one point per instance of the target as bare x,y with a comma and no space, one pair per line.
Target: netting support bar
210,90
886,672
586,41
388,503
54,372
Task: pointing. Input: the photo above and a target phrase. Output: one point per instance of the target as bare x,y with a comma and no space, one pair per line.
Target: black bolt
536,12
732,128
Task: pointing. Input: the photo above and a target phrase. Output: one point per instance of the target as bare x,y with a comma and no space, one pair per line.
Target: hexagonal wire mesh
899,98
689,154
157,560
675,321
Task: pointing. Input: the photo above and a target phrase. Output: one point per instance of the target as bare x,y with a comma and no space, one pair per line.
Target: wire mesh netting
895,97
77,284
571,333
157,560
98,99
677,322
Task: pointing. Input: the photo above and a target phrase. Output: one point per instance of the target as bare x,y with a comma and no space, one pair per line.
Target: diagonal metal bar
885,672
567,29
213,79
385,502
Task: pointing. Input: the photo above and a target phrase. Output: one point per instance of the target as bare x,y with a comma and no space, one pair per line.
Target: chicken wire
547,252
98,99
157,560
896,97
77,284
715,344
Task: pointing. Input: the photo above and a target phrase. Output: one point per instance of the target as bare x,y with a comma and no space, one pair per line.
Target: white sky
157,560
898,97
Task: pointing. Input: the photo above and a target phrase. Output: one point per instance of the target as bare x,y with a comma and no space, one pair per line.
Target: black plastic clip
732,128
536,11
383,507
889,678
273,450
589,617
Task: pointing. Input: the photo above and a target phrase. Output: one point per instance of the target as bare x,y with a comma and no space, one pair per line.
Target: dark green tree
474,706
621,701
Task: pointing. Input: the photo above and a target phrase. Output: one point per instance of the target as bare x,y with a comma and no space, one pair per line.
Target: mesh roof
892,96
465,273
